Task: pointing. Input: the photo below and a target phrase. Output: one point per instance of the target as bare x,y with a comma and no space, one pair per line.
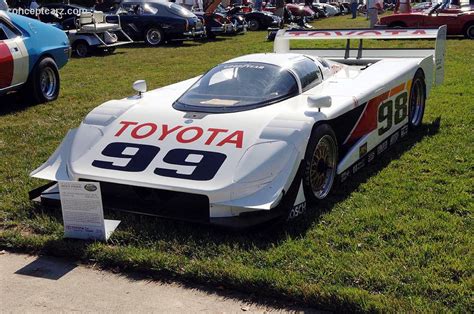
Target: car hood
146,142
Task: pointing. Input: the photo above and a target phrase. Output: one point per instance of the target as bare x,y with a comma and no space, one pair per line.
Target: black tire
110,50
253,25
211,35
469,31
81,49
416,105
397,25
154,36
44,82
319,165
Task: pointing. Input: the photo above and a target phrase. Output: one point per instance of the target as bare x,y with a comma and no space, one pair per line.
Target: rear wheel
109,51
397,25
417,100
44,81
154,36
81,48
469,31
253,25
320,164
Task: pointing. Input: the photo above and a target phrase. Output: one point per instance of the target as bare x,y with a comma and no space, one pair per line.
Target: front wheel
154,36
82,49
44,81
320,164
253,25
417,100
469,31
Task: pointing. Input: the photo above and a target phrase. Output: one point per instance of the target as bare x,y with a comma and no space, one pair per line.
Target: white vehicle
256,137
93,32
329,9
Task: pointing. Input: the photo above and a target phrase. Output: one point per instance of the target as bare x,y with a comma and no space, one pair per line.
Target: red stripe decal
6,66
368,121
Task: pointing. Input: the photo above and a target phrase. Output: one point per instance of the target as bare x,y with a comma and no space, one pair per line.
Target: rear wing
363,55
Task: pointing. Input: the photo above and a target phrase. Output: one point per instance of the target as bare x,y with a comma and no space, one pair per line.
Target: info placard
83,214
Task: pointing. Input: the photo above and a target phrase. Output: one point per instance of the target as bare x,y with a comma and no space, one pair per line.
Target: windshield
179,10
238,86
138,8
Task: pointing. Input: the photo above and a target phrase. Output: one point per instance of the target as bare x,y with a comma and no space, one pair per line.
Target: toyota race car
31,52
256,137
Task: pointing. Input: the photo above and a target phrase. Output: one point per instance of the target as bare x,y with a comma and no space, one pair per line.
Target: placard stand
83,213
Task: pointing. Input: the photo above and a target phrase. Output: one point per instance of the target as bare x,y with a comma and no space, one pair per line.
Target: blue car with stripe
31,52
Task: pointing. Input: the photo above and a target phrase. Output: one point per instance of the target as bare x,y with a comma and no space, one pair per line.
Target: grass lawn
398,236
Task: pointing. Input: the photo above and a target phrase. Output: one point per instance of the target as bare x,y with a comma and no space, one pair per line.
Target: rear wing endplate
362,55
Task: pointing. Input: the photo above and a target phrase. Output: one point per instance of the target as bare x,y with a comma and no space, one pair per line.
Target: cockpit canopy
236,86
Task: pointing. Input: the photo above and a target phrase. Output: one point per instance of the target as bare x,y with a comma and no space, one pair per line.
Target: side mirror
319,102
140,86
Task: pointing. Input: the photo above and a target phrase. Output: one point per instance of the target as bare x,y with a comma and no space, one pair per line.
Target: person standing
445,4
3,5
354,5
373,7
280,8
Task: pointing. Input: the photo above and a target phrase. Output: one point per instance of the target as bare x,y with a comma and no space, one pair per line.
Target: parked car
319,10
216,23
422,6
329,9
452,9
255,138
340,7
93,34
157,22
222,21
300,18
292,10
300,10
235,16
257,20
31,52
458,23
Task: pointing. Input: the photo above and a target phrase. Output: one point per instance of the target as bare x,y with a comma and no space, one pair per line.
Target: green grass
397,237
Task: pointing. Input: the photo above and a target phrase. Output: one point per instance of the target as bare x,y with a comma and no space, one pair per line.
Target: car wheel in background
81,48
397,25
153,36
469,31
108,51
416,106
253,25
44,81
320,164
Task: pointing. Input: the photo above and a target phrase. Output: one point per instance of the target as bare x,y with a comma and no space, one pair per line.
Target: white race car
256,137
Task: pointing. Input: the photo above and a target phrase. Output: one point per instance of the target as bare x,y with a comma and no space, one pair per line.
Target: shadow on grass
171,44
14,102
142,229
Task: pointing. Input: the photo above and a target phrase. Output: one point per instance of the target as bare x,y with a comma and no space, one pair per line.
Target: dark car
156,22
216,23
233,14
257,20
